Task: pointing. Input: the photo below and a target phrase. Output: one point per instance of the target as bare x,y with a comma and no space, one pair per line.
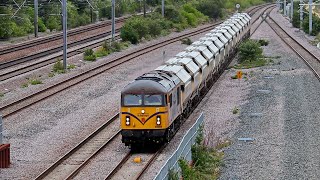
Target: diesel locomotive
155,104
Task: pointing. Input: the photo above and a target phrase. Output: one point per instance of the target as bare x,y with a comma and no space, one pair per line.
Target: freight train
155,104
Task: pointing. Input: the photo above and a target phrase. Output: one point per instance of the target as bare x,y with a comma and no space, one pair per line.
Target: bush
116,46
186,41
35,81
58,67
263,42
137,28
315,25
211,8
88,52
90,58
53,23
249,51
171,13
6,27
41,26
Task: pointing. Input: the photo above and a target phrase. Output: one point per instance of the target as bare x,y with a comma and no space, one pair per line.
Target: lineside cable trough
246,139
4,149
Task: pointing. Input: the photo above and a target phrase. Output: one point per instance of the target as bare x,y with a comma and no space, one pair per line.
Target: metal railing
183,151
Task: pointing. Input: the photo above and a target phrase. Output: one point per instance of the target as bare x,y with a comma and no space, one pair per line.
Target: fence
183,151
4,149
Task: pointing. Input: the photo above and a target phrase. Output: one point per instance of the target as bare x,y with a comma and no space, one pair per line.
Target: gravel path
281,114
41,134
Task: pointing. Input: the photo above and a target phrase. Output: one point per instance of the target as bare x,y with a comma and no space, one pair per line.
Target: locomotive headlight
127,120
142,111
158,120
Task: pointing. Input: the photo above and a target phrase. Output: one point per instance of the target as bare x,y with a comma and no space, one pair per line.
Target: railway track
265,13
58,36
19,104
10,108
54,54
77,158
311,60
136,172
65,168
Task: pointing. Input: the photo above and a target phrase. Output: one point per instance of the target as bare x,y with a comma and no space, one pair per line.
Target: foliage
41,26
24,85
230,4
235,110
90,58
249,50
88,52
53,23
89,55
263,42
1,94
211,8
138,27
58,67
71,66
35,81
6,27
296,15
186,41
315,25
173,175
101,52
206,161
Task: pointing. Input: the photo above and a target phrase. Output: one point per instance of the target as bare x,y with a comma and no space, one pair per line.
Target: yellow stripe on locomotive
144,117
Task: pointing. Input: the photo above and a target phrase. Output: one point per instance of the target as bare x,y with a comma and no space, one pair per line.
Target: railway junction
68,126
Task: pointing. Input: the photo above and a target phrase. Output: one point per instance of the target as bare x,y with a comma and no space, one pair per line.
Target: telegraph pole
162,10
35,18
64,24
113,19
291,10
284,7
301,14
310,17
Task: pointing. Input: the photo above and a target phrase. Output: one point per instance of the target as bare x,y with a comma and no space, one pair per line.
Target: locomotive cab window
132,100
153,100
170,100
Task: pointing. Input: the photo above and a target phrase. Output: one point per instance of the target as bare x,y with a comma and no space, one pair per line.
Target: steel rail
90,137
78,148
52,59
119,165
28,100
59,48
58,36
267,11
311,60
33,98
153,158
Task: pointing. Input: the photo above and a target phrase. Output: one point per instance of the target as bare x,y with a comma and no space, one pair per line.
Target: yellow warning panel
239,74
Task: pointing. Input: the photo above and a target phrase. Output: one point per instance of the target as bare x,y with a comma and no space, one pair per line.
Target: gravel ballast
281,115
39,135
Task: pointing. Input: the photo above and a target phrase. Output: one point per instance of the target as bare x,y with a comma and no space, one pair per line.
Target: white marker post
238,7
